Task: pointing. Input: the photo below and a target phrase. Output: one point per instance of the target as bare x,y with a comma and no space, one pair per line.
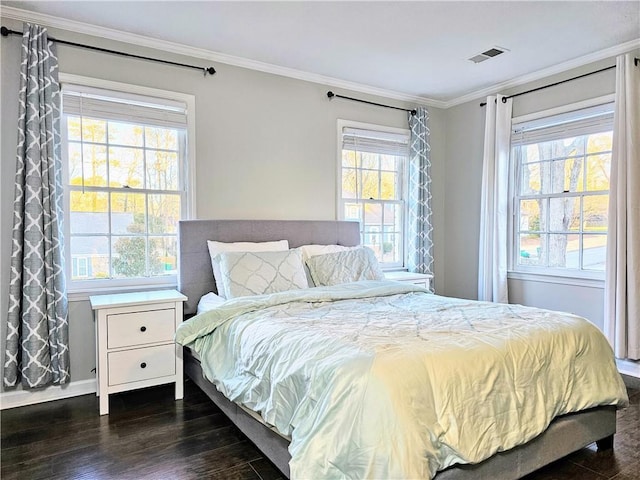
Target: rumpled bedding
382,379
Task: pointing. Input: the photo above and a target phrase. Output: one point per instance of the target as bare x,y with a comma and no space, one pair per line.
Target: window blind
374,141
566,125
118,106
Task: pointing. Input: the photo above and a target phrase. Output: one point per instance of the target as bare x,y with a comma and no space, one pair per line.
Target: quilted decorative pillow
312,250
216,248
342,267
257,273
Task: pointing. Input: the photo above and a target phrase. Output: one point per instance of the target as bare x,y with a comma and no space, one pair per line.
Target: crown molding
547,72
180,49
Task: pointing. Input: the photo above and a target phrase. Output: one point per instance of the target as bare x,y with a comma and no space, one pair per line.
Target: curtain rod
330,94
504,99
4,31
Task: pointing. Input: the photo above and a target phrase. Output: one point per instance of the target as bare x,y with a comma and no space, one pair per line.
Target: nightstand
422,279
134,342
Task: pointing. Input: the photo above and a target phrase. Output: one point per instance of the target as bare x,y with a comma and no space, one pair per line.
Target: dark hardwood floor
148,435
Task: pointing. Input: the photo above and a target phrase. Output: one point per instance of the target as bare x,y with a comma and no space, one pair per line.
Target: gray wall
265,147
463,178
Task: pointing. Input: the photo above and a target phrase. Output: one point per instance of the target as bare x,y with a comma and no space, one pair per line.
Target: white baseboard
628,367
20,398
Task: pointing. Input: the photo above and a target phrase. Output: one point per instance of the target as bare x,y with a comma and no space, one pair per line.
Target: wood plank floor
148,435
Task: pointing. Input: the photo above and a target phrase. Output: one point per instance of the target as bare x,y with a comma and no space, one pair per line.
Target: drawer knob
143,365
143,329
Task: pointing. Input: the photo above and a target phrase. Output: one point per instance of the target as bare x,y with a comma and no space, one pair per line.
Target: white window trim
81,290
558,278
549,275
342,123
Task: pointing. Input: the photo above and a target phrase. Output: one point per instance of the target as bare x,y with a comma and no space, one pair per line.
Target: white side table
134,342
422,279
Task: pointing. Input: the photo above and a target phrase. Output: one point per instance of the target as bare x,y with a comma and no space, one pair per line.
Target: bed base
565,435
272,445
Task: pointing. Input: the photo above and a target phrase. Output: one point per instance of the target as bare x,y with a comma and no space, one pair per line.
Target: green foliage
534,223
129,260
131,252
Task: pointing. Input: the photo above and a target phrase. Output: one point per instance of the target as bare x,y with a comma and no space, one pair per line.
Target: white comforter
383,380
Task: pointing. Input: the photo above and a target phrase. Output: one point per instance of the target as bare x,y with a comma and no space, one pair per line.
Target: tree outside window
561,203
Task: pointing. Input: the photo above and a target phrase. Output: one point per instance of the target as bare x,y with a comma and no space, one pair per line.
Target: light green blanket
383,380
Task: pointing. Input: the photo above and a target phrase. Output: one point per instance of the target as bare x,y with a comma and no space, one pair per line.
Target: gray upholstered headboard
195,275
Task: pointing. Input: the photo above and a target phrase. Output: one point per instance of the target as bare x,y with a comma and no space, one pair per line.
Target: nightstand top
135,298
406,276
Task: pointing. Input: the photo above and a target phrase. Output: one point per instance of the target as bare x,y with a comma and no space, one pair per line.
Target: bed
565,434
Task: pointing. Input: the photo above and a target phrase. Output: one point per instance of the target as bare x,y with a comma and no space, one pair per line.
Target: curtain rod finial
4,31
209,70
414,112
330,94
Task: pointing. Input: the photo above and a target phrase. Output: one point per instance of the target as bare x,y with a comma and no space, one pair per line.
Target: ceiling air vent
492,52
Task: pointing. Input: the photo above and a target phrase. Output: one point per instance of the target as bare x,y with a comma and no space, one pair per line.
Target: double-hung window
126,183
561,167
373,162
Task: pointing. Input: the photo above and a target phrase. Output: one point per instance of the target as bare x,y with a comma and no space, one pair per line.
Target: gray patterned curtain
419,243
37,350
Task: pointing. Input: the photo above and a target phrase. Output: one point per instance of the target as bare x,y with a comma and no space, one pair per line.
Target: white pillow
216,248
208,302
346,266
257,273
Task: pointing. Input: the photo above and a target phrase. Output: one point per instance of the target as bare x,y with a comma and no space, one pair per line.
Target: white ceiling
418,49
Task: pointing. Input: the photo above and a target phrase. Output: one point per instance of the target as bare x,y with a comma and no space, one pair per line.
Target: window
373,161
125,190
561,192
79,267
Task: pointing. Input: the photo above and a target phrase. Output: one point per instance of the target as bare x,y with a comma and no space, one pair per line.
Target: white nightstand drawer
140,328
421,283
141,364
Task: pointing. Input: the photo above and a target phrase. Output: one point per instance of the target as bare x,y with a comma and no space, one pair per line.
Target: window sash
544,233
381,228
